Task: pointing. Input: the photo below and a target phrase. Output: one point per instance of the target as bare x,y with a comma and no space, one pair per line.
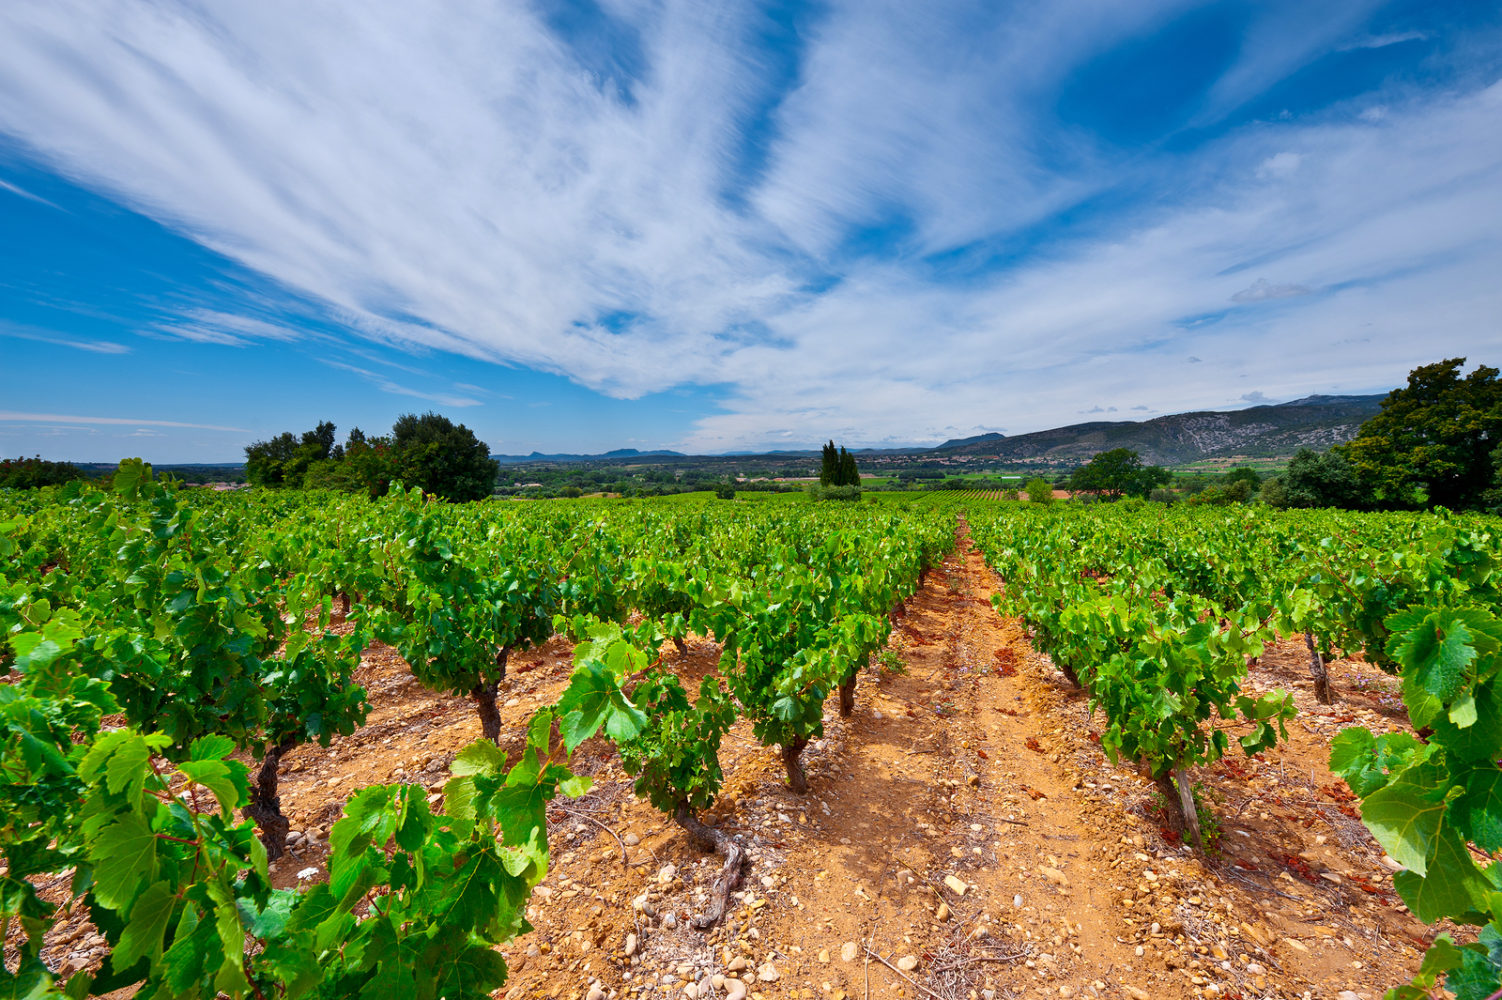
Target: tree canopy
429,451
1243,474
30,473
1436,440
1117,473
838,467
442,457
284,460
1315,480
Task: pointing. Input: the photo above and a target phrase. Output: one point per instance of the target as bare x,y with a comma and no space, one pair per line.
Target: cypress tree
829,473
849,475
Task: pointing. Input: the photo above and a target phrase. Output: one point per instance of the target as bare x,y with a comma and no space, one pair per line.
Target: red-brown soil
963,825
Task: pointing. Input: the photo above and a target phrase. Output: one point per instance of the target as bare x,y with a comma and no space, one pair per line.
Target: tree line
1437,441
428,451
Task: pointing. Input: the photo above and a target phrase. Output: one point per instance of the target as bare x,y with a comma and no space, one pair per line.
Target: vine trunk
792,759
707,838
1318,672
265,805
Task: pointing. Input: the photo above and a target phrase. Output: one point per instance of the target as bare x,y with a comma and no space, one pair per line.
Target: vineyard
299,744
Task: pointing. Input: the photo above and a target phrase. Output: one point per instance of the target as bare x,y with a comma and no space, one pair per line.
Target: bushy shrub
817,491
1039,490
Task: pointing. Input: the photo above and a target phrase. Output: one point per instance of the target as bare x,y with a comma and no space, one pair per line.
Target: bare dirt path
964,839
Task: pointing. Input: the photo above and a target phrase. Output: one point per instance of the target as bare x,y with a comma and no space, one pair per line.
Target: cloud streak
48,337
23,193
902,240
396,389
13,416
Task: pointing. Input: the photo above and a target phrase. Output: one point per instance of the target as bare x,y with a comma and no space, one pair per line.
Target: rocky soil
964,838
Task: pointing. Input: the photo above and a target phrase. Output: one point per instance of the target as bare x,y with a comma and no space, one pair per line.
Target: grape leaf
215,776
1479,810
1405,818
124,856
146,925
1454,886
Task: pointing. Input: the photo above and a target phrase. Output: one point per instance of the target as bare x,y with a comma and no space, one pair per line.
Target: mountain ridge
1265,430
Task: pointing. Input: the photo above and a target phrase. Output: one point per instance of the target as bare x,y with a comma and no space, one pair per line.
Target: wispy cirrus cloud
396,389
898,235
1261,290
13,416
1384,40
18,332
211,326
23,193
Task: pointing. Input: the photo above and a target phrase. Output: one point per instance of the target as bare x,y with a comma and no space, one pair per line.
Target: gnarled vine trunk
792,754
680,645
847,694
1178,804
484,695
1318,672
265,805
344,603
707,839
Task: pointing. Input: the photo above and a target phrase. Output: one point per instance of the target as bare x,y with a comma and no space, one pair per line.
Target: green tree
1243,474
285,459
360,465
1315,480
1118,473
441,457
829,469
1434,441
1039,490
266,461
1233,491
1273,493
30,473
846,472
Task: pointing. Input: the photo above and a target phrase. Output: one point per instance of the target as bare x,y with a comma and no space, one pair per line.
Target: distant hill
616,455
1258,431
955,444
1273,430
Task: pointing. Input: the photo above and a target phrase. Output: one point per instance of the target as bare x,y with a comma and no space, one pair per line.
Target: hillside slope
1313,422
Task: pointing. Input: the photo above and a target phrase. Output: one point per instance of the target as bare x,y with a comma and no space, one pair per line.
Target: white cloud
22,192
1393,223
1262,290
209,326
441,177
18,332
1383,41
13,416
1286,37
450,177
1280,165
396,389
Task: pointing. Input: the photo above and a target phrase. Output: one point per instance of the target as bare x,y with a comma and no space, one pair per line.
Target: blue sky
724,226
